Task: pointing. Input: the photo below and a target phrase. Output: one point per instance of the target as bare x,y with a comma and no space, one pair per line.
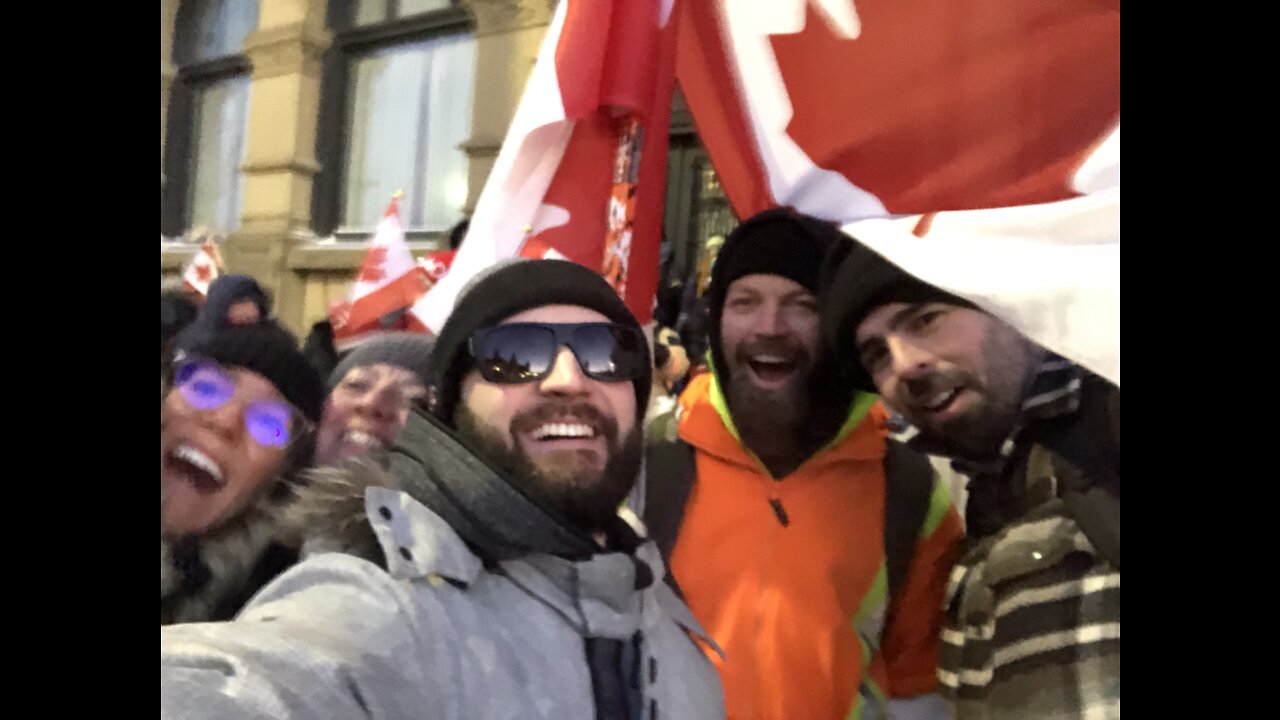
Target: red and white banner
204,268
389,281
436,264
592,123
974,142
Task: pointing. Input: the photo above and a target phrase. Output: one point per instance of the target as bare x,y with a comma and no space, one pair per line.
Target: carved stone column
280,162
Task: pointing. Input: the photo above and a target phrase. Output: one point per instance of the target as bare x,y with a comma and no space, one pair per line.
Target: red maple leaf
339,314
203,272
955,104
371,270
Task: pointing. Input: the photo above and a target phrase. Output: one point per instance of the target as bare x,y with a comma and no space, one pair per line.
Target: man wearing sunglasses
793,530
484,570
234,431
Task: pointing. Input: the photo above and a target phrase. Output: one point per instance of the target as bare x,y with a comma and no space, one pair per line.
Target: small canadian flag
204,268
389,281
436,264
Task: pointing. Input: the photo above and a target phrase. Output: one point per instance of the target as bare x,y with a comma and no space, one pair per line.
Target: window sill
343,255
176,256
330,256
310,256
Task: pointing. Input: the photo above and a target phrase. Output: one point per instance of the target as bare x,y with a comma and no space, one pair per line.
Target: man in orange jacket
778,527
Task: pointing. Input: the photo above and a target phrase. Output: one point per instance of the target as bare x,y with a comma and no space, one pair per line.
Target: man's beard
978,433
568,482
771,421
975,434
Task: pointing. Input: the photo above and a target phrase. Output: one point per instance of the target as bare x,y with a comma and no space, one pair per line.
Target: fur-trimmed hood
209,577
328,514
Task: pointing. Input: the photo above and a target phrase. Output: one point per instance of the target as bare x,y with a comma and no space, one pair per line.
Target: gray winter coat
438,635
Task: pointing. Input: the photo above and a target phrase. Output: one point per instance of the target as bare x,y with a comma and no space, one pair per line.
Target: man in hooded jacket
484,572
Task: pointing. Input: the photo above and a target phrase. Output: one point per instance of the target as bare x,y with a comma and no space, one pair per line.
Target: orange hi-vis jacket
801,608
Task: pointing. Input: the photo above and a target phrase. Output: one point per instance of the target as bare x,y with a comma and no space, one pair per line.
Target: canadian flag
975,143
389,281
582,170
204,268
436,264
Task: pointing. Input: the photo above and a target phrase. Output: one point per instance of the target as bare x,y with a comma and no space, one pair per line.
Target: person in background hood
232,300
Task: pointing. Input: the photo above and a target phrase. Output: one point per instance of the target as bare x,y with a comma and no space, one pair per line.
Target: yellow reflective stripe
939,504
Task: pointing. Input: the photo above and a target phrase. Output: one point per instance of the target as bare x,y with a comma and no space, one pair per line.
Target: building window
208,116
697,212
396,107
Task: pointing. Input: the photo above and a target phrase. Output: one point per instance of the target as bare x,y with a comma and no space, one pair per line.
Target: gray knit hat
402,349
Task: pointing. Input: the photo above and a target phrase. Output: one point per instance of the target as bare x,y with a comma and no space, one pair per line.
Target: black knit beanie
855,280
503,291
271,351
774,242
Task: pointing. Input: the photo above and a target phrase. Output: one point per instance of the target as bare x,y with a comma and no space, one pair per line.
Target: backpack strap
669,473
1084,452
1097,511
908,487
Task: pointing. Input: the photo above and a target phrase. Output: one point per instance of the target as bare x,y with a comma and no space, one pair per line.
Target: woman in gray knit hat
370,393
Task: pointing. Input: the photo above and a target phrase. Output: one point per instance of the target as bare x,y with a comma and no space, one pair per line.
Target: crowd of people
537,513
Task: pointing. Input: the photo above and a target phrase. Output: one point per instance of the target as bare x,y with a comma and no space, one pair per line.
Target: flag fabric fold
582,170
975,143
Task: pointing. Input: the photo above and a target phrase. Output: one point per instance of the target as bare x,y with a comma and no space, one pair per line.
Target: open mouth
566,436
362,440
772,370
941,402
564,431
554,427
195,468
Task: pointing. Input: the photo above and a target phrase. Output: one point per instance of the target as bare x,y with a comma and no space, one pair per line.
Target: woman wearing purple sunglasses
235,429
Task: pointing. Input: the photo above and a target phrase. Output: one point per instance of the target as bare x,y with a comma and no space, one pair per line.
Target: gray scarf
436,468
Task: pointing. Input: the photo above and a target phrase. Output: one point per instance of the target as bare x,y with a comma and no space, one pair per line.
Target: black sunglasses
526,352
